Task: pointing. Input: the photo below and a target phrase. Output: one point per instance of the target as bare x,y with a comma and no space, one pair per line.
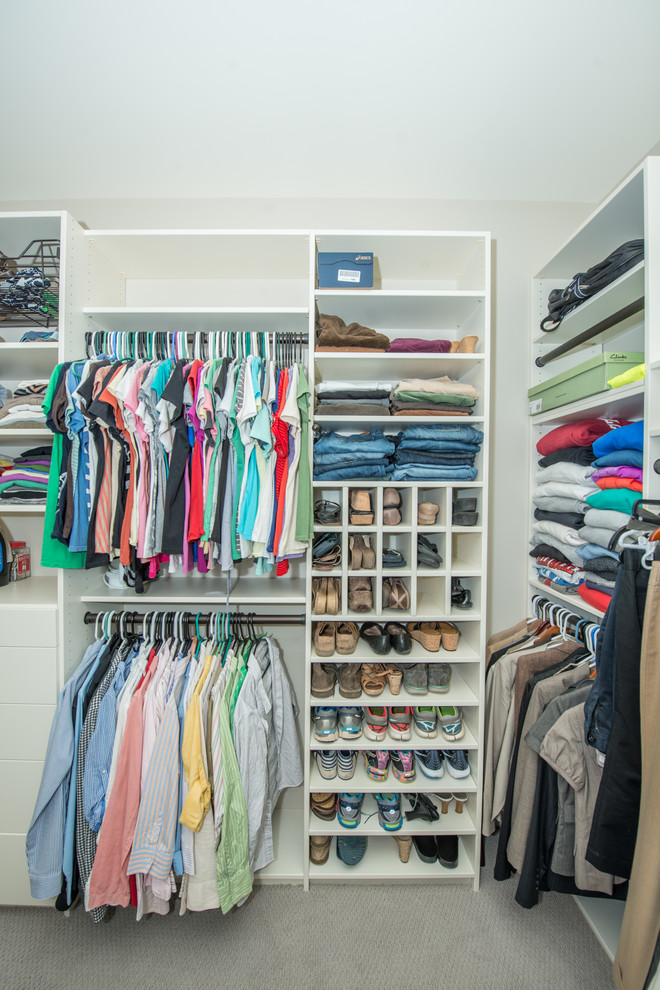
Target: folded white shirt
564,533
573,474
564,490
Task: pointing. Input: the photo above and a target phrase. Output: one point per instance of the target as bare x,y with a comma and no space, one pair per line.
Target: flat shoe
324,638
399,638
426,513
319,849
323,680
347,638
393,558
376,637
391,507
351,848
465,518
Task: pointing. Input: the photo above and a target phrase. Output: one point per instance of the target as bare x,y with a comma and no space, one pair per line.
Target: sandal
328,561
327,513
460,597
374,678
361,554
426,513
468,344
347,638
450,634
319,595
391,505
326,551
394,678
360,595
426,633
422,808
395,594
361,511
319,849
333,596
393,558
427,552
323,805
323,637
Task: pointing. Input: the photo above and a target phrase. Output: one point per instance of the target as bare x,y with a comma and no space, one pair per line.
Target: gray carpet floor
380,937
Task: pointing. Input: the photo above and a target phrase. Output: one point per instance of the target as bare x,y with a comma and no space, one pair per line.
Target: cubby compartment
431,601
435,496
460,495
360,513
360,549
323,494
466,586
397,543
427,543
396,596
466,554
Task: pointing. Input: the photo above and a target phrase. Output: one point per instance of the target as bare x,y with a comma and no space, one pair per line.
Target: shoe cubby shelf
381,863
361,783
450,823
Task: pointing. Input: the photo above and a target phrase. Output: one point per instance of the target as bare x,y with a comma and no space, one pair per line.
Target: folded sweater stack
343,398
24,479
433,397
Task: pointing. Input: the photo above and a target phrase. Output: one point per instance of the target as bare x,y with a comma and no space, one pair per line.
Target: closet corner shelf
610,300
468,742
404,293
624,402
363,654
604,917
450,823
459,693
574,602
162,318
34,592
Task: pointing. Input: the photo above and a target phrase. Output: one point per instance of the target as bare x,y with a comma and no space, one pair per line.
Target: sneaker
415,677
425,720
439,677
403,767
375,723
326,762
399,723
325,723
389,812
430,762
375,763
457,763
351,848
350,722
349,810
346,763
450,722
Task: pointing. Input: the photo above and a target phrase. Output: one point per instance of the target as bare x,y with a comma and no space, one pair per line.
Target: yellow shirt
198,800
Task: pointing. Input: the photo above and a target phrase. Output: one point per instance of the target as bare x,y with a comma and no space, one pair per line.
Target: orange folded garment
611,481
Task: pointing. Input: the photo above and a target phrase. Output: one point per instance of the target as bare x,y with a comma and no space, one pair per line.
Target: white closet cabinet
428,284
631,211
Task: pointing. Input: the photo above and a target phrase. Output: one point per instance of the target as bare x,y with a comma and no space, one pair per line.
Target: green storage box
588,378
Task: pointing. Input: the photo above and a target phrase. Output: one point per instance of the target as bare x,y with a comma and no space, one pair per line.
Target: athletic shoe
325,723
450,722
457,763
403,767
326,762
350,807
399,723
430,762
375,763
389,812
439,677
425,721
375,723
346,763
349,722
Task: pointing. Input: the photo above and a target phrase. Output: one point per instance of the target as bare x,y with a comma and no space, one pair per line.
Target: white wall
525,235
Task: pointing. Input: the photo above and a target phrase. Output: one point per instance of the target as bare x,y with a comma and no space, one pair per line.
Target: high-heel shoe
468,344
395,594
361,510
365,556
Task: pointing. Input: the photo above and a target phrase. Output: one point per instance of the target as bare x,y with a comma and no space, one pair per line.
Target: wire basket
30,285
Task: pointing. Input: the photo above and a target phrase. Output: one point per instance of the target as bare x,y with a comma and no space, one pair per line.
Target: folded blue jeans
443,431
440,446
337,443
381,470
358,456
432,457
432,472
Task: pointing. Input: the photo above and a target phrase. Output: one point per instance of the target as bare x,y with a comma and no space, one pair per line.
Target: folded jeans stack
433,397
360,455
342,398
437,453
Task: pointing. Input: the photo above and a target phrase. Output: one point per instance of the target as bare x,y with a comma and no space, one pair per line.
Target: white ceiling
468,99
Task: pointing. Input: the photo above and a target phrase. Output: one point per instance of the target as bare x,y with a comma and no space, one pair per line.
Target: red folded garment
596,598
417,345
613,482
579,434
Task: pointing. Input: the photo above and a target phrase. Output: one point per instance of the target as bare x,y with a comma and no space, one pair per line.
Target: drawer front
28,627
24,731
15,886
28,675
19,785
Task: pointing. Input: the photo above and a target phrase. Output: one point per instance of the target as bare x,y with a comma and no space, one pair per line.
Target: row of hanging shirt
166,758
180,460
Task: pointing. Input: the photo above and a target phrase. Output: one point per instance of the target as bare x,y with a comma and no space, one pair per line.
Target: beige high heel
468,344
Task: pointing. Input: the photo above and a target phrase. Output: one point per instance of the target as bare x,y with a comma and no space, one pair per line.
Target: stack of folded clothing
561,537
437,453
361,455
433,397
24,409
417,345
26,290
340,398
334,335
24,480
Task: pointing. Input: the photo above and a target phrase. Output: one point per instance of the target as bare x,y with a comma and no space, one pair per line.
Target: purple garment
619,471
416,344
23,476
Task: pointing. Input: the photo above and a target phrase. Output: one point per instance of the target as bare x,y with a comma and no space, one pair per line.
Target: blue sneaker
325,723
349,810
457,763
389,812
430,762
350,722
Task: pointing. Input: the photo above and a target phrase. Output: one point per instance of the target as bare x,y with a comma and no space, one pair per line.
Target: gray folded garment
565,548
352,409
602,584
606,566
557,503
605,518
598,535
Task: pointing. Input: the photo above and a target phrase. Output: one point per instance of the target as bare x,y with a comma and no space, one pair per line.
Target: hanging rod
271,620
575,624
610,321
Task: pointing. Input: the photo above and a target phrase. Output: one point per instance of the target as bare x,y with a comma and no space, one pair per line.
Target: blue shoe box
343,270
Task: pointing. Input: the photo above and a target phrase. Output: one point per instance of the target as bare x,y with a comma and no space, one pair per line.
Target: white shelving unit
631,211
428,285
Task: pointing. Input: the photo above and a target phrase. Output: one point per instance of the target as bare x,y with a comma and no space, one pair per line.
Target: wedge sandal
450,635
395,594
319,849
426,633
361,510
391,507
394,678
373,679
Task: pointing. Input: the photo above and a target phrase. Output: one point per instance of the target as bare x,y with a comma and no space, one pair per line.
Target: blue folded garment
631,458
432,472
590,550
624,438
356,472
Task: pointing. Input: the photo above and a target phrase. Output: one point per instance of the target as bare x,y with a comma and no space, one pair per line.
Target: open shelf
33,591
381,863
415,742
625,402
574,602
361,783
199,318
450,823
459,694
201,589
